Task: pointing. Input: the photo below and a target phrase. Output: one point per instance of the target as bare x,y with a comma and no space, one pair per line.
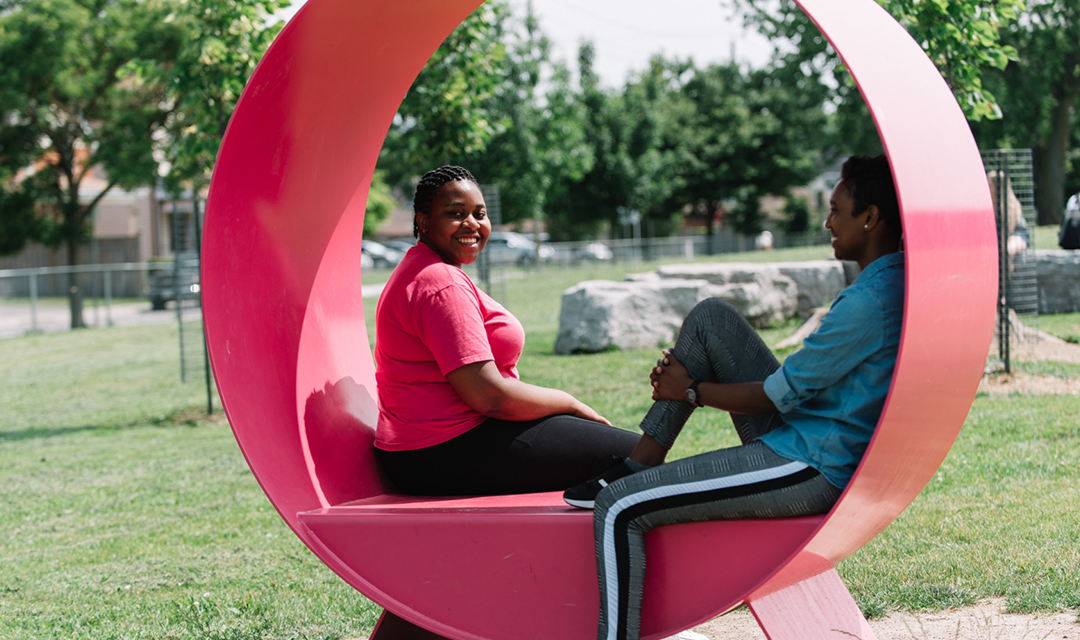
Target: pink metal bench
296,377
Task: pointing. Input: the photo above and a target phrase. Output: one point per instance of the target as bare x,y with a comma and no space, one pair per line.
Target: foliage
543,142
447,113
797,215
63,87
962,37
1039,93
380,203
751,134
223,41
19,222
580,206
679,139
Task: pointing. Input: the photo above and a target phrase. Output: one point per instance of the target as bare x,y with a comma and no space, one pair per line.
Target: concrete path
53,315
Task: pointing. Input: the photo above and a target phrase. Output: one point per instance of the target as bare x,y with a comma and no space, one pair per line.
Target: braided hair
869,181
430,184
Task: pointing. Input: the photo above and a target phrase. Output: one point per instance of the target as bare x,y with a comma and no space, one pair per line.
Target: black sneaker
583,496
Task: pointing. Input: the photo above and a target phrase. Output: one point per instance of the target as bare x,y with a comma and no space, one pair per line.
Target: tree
751,133
62,86
223,42
962,37
1039,94
577,208
446,114
380,203
542,144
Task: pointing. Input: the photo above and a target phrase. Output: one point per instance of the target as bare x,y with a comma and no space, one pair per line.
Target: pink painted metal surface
818,608
290,352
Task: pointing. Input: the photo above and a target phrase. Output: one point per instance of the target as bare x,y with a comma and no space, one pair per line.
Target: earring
866,226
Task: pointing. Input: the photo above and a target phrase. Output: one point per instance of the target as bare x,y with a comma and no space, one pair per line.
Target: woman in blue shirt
804,425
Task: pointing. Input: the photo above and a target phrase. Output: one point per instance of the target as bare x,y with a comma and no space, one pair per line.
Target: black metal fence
1012,189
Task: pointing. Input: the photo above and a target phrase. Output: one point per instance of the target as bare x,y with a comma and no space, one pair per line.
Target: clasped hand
669,378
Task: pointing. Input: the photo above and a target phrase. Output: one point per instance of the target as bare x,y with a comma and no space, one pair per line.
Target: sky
626,33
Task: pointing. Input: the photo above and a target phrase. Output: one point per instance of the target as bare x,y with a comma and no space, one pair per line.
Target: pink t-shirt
431,320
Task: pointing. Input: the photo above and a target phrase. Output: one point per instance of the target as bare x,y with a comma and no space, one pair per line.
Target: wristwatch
692,394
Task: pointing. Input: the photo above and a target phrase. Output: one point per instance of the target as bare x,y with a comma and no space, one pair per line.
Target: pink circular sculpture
290,352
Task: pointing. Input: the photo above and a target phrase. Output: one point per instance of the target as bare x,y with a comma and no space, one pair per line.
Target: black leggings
500,457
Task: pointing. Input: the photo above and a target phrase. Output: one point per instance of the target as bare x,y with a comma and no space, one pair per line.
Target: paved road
53,315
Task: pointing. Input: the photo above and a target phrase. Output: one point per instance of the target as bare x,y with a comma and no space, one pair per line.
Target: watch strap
694,388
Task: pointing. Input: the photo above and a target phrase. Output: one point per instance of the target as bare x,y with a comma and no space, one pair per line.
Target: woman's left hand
669,378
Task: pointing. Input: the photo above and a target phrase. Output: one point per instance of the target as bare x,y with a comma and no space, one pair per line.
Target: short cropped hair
869,181
430,184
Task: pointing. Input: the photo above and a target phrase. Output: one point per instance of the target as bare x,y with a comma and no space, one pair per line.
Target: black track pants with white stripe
749,481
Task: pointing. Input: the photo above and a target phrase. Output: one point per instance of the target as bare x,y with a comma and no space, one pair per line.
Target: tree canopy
68,109
112,87
1039,93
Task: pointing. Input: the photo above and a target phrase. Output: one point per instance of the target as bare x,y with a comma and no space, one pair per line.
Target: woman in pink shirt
454,416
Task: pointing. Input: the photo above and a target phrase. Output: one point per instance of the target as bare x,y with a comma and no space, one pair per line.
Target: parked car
507,247
163,283
384,257
594,252
401,244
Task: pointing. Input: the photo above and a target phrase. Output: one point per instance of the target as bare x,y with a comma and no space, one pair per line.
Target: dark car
181,278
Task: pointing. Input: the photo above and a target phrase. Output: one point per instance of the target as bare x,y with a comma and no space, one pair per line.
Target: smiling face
849,236
456,226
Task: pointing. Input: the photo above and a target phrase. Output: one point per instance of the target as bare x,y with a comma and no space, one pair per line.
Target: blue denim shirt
831,392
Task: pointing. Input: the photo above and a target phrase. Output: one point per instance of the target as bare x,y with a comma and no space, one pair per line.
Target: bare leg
649,452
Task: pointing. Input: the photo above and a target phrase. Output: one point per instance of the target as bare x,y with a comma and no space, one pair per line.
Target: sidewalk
53,316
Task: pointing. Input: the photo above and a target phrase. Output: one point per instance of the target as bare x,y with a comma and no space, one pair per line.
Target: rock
601,314
716,272
1059,280
648,276
647,309
817,282
770,298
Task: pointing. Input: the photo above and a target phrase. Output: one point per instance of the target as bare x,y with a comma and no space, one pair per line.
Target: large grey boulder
769,298
817,282
601,314
1059,280
644,313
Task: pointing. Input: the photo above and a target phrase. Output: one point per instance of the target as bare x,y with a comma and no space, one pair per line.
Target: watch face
691,396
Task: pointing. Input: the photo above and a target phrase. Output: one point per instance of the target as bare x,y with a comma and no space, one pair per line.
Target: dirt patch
986,621
1019,382
1030,345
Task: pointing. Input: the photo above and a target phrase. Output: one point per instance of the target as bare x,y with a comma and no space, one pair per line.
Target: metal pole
33,303
108,297
176,288
94,261
206,349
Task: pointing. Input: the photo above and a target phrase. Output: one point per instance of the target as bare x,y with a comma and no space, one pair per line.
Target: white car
382,256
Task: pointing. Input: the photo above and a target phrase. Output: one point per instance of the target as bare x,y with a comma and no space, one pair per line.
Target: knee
714,307
708,315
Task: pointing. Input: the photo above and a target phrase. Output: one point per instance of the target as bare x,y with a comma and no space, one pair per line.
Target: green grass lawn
124,513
